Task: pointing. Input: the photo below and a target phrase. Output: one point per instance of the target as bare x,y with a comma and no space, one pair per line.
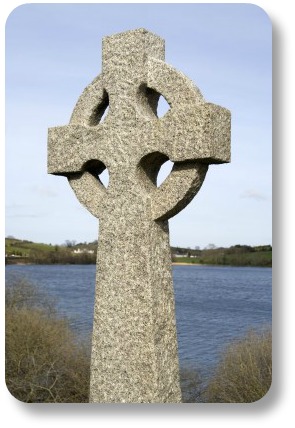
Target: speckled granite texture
134,347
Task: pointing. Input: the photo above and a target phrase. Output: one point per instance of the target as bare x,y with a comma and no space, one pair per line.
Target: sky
53,51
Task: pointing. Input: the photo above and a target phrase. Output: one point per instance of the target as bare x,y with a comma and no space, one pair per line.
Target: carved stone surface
134,348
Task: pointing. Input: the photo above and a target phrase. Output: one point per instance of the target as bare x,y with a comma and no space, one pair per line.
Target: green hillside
21,248
23,251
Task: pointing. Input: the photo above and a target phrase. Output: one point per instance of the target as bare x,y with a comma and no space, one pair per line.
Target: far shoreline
15,263
187,264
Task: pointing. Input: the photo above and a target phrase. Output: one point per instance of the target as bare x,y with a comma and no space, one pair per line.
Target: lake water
214,305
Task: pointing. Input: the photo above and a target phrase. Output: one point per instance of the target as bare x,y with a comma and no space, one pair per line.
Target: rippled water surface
214,305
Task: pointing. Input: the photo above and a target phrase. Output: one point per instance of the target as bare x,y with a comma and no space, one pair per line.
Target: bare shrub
191,385
43,361
21,293
245,372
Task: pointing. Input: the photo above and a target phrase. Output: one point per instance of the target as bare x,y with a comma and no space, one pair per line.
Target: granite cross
134,345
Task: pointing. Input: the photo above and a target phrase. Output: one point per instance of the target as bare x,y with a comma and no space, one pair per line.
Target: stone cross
134,346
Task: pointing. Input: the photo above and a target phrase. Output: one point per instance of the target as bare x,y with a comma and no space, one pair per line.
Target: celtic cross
134,346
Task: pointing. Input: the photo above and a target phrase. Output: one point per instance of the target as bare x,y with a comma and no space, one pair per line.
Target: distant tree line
237,255
64,257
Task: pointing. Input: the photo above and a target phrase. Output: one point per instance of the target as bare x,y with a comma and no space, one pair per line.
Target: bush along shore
45,363
27,252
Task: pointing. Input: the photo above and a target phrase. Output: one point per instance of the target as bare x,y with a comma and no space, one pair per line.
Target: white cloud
253,194
44,191
25,215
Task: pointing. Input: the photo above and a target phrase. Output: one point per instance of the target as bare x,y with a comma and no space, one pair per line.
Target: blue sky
53,51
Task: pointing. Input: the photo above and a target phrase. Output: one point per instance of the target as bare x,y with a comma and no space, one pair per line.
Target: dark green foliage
238,258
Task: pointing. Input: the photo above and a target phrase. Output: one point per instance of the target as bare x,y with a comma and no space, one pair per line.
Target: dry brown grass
244,374
44,364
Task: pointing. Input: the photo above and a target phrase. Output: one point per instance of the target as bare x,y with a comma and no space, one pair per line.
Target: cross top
134,346
132,142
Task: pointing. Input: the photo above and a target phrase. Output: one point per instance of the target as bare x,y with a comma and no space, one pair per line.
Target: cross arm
192,129
69,150
71,146
200,133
